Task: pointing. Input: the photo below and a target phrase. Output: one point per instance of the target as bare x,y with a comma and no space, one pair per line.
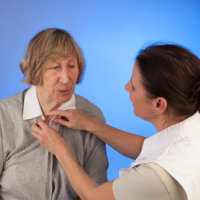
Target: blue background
110,33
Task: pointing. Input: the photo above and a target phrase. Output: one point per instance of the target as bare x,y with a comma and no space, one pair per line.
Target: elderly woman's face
59,80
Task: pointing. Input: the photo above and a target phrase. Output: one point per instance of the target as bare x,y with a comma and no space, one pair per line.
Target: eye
54,67
71,66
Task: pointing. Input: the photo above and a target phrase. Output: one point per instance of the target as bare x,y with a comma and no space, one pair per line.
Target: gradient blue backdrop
110,33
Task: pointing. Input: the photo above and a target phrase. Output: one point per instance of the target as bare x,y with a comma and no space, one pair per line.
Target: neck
165,120
46,104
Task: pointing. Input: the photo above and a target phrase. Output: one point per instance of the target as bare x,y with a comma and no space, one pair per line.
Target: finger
36,135
62,122
44,126
62,113
36,128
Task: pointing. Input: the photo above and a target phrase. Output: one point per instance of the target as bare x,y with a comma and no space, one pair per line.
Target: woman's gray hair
47,45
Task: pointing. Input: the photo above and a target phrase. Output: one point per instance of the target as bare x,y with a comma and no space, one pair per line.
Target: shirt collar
32,107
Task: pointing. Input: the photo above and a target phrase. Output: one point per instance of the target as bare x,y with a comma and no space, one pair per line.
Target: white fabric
177,150
32,107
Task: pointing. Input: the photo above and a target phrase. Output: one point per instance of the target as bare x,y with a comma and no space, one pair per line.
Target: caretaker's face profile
173,73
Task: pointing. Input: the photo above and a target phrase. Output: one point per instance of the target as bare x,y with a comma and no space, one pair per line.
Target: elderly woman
165,90
53,65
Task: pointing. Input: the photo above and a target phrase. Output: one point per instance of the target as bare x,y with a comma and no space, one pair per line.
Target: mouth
63,91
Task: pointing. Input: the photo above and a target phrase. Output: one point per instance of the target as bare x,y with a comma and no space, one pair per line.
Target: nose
64,76
127,87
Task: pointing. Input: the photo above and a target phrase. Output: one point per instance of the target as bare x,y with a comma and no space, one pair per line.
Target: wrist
94,126
61,148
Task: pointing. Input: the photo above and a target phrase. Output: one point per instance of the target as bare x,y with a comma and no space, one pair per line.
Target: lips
63,91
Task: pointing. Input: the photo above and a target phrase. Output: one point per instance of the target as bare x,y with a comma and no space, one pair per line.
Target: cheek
74,76
132,97
50,78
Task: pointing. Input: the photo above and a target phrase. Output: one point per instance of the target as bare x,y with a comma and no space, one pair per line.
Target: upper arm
95,158
1,156
95,161
1,150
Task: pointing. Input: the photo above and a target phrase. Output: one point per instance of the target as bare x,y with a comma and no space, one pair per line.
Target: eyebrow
74,60
71,60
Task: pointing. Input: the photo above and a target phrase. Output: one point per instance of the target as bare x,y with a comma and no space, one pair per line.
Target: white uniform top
177,150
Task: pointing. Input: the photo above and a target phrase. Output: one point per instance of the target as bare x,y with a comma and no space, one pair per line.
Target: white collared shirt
32,107
177,150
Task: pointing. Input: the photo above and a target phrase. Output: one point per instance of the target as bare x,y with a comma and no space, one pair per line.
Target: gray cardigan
28,171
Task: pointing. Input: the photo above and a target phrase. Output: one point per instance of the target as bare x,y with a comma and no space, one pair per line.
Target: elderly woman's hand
74,119
48,137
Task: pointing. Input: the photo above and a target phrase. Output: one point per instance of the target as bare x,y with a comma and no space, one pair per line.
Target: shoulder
147,180
12,103
88,108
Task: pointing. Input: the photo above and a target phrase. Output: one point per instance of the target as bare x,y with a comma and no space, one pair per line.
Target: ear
160,105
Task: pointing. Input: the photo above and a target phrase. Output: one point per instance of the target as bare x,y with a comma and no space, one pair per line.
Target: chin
138,115
63,100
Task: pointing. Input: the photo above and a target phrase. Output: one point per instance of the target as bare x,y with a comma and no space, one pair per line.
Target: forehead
136,73
61,59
